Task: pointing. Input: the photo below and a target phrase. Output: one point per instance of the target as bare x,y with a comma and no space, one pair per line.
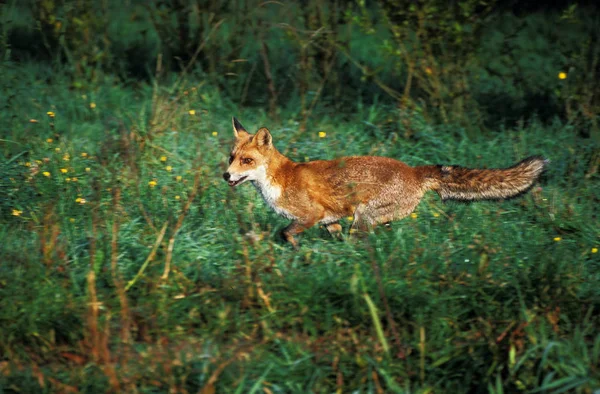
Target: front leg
335,229
296,228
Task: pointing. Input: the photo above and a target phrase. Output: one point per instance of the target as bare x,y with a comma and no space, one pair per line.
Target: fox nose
226,176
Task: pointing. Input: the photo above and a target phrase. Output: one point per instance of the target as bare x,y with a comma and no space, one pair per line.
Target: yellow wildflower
80,200
66,157
163,158
169,168
214,133
350,218
49,140
28,164
67,179
435,214
322,134
51,114
87,169
177,197
414,215
594,250
32,121
74,179
562,75
16,212
46,173
178,178
92,105
192,112
57,149
152,183
71,220
64,170
83,154
557,239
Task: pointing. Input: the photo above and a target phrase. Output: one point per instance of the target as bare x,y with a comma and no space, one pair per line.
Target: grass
133,267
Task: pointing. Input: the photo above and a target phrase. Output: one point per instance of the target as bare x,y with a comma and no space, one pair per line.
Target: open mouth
235,183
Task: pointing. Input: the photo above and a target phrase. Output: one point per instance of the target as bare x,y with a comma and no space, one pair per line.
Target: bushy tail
458,183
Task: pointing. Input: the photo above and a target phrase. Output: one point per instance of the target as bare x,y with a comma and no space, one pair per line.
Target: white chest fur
270,192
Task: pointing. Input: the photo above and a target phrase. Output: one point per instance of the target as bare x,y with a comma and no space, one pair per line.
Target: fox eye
247,160
230,159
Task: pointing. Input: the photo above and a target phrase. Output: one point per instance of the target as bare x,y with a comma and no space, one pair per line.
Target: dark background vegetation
476,62
126,264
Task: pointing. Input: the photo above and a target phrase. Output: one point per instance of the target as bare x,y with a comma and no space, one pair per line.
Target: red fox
374,190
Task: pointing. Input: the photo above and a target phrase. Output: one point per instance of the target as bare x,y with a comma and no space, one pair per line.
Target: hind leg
363,222
394,207
386,216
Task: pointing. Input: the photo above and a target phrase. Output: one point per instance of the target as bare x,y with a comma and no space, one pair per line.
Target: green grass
484,297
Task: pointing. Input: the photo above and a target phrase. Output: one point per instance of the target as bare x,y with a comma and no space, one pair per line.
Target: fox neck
267,185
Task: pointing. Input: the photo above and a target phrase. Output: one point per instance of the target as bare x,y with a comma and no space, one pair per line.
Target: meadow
127,264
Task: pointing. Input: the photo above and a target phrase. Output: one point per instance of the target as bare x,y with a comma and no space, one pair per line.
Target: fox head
250,155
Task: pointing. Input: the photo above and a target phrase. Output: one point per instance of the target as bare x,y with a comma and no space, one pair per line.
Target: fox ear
263,138
238,130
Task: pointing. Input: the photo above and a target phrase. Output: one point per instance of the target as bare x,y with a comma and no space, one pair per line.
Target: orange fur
373,189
